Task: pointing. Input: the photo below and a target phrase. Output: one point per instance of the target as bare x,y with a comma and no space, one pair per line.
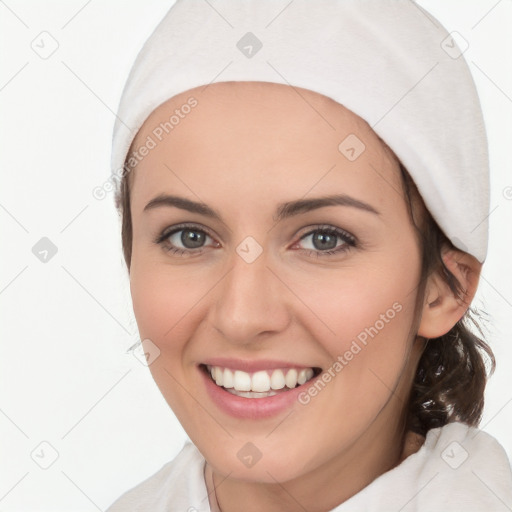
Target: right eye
184,239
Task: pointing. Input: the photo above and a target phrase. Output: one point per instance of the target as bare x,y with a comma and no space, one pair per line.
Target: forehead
264,133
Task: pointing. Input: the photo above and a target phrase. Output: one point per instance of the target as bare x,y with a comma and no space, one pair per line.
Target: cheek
350,303
363,321
161,299
164,307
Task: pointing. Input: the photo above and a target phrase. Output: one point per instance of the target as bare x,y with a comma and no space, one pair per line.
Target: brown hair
452,374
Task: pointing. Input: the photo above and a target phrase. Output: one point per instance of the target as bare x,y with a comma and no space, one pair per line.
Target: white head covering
388,61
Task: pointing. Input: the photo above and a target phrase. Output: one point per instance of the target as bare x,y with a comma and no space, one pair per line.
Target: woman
304,195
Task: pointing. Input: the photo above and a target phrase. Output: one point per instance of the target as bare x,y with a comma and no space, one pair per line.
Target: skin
245,148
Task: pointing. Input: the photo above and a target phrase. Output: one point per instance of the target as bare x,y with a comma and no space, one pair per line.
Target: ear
442,309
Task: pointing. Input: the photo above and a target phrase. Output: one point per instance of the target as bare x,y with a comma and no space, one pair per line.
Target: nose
250,303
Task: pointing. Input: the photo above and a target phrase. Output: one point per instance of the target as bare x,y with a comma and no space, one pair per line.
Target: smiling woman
278,248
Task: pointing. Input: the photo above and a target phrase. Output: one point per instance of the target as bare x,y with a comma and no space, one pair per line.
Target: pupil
324,241
192,239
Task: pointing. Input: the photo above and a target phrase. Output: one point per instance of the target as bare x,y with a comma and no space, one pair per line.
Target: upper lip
253,365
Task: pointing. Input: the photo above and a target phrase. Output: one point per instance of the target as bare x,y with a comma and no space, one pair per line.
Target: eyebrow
283,211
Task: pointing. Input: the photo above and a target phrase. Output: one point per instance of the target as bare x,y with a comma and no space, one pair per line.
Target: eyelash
348,239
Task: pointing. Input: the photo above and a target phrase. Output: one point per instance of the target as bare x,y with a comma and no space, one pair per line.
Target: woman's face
297,261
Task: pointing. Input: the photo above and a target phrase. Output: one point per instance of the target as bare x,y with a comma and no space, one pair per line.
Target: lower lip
252,408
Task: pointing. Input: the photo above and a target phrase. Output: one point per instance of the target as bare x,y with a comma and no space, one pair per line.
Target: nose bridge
248,302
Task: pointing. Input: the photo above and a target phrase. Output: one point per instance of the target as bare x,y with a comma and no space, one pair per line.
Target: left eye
327,240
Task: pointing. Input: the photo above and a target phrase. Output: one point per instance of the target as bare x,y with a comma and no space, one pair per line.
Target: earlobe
442,308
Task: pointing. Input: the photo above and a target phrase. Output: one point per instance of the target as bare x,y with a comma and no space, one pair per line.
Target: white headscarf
388,61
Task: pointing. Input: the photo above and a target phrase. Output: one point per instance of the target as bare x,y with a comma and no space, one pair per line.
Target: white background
66,376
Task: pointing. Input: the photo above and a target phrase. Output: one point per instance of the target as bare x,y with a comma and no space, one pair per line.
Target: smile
260,384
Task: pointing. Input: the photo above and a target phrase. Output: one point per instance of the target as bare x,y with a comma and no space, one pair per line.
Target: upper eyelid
327,227
171,230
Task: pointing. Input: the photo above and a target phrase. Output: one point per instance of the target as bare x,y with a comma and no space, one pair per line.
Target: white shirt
458,468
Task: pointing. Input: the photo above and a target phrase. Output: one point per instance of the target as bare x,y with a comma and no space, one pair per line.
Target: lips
255,389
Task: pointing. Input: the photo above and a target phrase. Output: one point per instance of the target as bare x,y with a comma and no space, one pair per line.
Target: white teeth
291,378
228,378
241,381
261,383
277,380
219,376
252,394
305,375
